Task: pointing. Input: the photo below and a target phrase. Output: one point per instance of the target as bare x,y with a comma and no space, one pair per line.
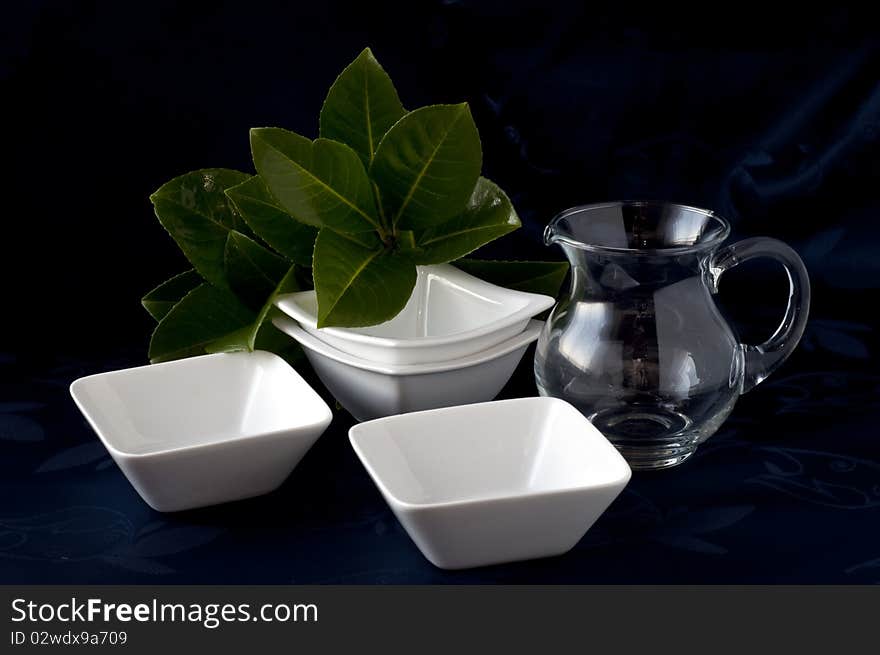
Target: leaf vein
421,174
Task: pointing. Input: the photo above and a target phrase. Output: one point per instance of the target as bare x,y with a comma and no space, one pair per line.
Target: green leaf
406,240
271,223
321,183
359,286
198,216
534,277
489,214
160,300
361,106
427,165
203,315
246,338
252,270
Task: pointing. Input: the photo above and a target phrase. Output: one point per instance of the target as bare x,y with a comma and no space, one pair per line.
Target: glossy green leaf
204,315
361,106
489,214
406,240
427,165
160,300
378,193
534,277
270,222
248,337
359,286
321,183
197,214
252,270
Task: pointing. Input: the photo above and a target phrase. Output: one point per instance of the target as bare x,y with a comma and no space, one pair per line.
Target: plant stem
382,219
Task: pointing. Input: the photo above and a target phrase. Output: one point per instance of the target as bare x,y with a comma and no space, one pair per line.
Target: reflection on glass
639,345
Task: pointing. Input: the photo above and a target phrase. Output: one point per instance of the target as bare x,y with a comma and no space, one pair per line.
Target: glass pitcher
639,345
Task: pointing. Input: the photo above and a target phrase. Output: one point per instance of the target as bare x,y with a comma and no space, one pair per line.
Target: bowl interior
444,302
197,401
490,450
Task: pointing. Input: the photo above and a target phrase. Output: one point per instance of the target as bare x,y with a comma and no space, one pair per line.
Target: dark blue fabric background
772,121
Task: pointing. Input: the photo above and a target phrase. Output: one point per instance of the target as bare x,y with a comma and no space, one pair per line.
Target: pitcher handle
762,360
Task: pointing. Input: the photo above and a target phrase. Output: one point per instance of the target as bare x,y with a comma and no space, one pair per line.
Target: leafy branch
380,191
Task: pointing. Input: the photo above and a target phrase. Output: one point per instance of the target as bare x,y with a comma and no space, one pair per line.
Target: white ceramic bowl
450,315
369,390
494,482
204,430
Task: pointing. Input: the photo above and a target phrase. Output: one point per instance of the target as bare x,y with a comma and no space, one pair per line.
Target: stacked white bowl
457,341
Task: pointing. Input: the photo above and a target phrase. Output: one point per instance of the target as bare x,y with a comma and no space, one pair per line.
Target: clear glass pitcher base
650,437
649,431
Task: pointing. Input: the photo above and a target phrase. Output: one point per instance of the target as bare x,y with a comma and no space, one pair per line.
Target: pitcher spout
550,235
559,232
559,235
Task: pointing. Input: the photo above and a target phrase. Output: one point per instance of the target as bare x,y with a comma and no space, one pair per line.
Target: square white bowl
205,430
370,390
495,482
449,315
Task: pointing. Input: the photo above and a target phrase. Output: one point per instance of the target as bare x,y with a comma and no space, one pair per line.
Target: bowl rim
618,481
536,303
87,412
310,342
